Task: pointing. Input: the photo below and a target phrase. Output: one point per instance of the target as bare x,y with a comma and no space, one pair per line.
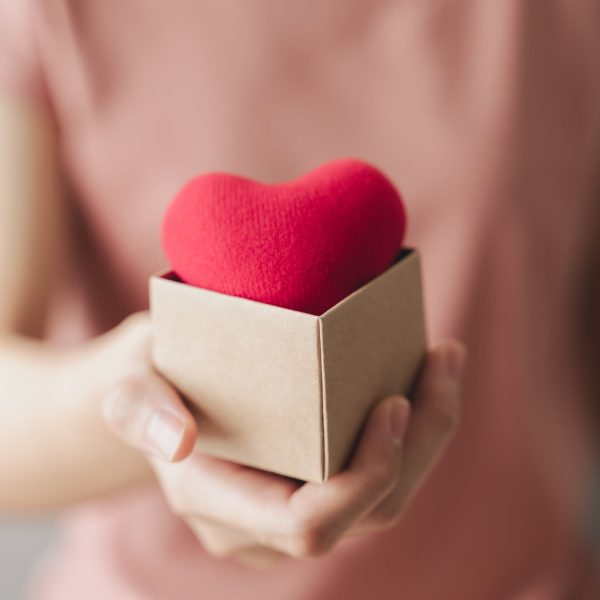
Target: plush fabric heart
304,245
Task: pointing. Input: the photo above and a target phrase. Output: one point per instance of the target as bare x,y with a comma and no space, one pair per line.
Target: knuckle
132,339
212,545
215,550
310,539
384,476
122,400
138,321
444,417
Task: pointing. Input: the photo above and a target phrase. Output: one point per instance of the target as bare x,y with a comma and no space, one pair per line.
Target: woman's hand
257,517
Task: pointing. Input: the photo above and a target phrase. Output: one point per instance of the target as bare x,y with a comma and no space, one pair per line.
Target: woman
485,114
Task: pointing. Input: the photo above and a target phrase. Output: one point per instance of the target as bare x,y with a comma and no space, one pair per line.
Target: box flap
372,344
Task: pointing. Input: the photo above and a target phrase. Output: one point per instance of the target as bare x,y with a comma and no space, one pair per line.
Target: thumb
148,414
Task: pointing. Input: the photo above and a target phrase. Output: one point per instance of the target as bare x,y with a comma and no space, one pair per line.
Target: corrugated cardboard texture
372,345
254,370
282,390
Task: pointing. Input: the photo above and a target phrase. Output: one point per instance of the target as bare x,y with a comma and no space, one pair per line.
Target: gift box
287,391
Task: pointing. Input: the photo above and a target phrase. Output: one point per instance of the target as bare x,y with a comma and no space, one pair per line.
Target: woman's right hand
258,517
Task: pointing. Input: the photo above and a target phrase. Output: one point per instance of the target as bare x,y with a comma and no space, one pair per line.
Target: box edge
323,402
159,278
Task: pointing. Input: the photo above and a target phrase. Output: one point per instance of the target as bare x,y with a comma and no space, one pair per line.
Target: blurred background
22,541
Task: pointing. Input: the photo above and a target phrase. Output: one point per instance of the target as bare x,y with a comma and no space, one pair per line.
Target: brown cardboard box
282,390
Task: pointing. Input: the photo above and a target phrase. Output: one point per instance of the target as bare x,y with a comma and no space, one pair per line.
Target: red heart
303,245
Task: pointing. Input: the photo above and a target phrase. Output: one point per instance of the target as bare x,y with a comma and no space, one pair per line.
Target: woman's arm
54,447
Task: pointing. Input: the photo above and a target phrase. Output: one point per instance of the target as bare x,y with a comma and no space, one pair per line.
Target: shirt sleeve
20,66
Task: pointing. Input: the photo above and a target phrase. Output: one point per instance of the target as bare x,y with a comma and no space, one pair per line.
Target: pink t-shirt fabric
487,117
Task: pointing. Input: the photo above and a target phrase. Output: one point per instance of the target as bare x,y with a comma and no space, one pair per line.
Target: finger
435,417
219,539
325,511
223,541
437,412
278,513
301,521
244,498
148,414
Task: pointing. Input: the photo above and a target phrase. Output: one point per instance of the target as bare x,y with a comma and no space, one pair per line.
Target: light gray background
22,541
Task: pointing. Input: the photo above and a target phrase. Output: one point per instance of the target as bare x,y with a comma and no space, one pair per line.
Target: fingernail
164,432
399,419
455,358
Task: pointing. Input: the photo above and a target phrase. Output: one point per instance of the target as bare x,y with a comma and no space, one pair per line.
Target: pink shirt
487,116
